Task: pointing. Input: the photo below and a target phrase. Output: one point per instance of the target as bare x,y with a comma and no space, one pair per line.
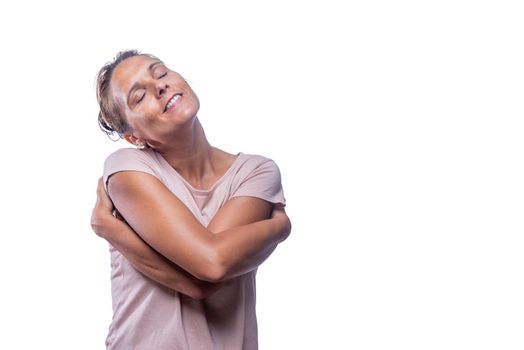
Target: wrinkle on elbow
214,272
210,266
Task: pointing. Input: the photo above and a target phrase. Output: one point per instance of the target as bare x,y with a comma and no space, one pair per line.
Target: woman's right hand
282,221
103,213
109,224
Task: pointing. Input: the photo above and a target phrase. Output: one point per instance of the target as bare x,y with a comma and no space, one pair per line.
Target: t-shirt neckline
196,190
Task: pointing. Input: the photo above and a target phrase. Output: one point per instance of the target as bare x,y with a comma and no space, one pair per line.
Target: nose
161,88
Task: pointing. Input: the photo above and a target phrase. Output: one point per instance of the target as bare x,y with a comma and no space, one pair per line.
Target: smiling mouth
172,102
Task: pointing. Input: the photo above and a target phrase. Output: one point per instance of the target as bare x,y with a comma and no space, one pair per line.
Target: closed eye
144,94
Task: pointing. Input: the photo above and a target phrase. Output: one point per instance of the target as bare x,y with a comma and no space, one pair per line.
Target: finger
100,187
278,214
118,215
102,197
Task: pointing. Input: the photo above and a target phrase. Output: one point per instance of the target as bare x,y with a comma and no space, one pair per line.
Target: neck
190,152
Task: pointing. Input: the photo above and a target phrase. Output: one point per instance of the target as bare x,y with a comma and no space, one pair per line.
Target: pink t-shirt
148,316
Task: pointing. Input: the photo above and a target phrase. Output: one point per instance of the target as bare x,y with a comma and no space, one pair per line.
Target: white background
397,126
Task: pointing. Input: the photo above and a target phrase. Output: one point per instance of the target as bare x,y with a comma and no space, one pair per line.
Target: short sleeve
263,182
128,159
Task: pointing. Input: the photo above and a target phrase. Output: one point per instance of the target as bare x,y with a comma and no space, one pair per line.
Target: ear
132,139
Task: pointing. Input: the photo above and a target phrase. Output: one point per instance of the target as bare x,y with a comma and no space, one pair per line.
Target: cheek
148,110
139,121
189,88
190,107
193,96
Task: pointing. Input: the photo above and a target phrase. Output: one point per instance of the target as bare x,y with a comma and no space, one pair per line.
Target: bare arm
158,268
168,226
234,214
141,255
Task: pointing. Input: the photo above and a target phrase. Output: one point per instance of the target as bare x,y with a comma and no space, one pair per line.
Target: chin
190,111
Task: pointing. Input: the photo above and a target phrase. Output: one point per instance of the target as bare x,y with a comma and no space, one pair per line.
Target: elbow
214,263
213,269
213,272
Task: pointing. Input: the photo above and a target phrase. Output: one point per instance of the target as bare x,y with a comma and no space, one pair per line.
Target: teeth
172,101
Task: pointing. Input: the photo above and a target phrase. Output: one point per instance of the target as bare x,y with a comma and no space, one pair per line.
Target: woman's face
155,100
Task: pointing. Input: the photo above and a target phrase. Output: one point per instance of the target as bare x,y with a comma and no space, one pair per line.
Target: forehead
128,72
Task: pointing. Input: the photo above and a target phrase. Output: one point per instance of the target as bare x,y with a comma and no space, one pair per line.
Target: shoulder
129,154
255,165
251,162
131,159
259,176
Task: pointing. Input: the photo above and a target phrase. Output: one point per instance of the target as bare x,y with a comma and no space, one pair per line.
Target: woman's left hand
279,215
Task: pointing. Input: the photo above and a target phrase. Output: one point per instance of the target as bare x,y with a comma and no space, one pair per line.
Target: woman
192,222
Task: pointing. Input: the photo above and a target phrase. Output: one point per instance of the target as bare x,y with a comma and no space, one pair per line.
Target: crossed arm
171,247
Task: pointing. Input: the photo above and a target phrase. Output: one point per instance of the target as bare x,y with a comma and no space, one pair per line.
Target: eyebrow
135,85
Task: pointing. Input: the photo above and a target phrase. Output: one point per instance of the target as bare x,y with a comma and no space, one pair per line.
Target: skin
156,232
